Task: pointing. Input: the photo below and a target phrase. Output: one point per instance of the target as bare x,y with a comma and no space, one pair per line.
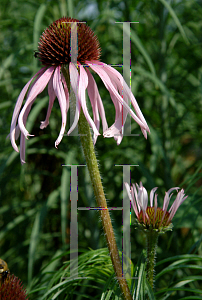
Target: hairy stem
152,239
88,148
92,164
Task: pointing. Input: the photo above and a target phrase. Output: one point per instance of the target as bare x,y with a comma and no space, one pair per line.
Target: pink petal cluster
80,80
139,199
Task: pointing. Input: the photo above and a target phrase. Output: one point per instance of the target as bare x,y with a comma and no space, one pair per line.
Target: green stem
152,239
92,164
88,148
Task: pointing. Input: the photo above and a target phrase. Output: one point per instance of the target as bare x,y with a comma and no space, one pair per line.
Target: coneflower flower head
12,289
151,216
54,52
54,46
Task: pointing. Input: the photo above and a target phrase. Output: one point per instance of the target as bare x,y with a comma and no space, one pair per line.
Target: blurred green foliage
166,77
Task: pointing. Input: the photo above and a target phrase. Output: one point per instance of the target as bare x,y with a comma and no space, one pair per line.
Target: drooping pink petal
24,120
118,138
26,113
127,92
37,88
99,68
74,79
83,83
96,103
17,108
118,106
22,149
25,116
22,137
127,95
66,91
93,99
117,129
52,96
17,133
59,91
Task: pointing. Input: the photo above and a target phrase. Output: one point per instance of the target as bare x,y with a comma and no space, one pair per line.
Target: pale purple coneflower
54,53
152,216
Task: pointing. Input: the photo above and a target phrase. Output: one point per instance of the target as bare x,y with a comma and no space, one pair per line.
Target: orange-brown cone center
154,219
54,45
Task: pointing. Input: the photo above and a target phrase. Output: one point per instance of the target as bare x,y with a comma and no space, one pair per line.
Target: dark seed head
54,46
12,289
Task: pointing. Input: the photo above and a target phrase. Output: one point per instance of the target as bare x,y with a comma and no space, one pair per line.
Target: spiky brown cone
54,45
12,289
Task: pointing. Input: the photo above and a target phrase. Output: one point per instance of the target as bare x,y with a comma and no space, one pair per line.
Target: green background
166,79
